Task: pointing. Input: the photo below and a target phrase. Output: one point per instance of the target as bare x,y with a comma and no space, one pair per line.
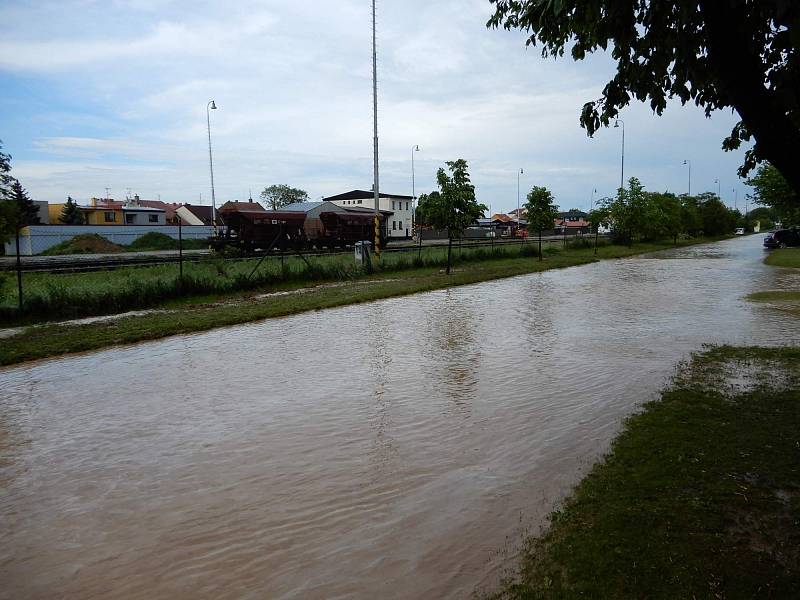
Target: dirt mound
87,243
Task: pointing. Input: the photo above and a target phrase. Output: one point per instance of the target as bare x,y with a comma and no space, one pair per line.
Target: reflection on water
382,450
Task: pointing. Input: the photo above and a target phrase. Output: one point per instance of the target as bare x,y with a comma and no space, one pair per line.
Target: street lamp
414,148
719,189
594,191
735,198
518,213
688,162
622,168
209,107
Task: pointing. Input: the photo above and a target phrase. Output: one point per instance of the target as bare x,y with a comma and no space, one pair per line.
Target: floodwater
396,449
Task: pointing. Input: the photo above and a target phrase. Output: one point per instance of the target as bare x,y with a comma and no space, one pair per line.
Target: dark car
782,238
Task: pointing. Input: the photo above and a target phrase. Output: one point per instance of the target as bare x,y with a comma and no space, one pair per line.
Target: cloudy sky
113,94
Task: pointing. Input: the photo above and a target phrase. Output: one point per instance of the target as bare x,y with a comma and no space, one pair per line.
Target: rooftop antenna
108,193
250,191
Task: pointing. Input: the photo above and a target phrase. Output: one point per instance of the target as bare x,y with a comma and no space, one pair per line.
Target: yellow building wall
97,217
54,213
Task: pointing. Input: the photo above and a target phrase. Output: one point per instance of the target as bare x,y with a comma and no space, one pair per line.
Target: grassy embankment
699,496
786,300
218,293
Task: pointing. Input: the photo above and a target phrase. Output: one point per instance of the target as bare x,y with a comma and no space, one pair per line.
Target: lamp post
719,189
591,202
209,107
518,213
414,148
596,225
622,166
735,198
688,162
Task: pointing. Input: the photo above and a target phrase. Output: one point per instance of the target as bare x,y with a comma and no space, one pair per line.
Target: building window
394,225
392,204
406,205
153,218
108,217
400,225
130,219
360,201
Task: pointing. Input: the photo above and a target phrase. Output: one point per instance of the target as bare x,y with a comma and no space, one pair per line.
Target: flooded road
394,449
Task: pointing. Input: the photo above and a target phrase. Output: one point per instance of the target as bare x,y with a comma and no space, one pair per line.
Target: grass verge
785,257
785,300
699,496
207,311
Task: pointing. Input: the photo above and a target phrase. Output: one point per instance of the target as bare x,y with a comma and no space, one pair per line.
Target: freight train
248,229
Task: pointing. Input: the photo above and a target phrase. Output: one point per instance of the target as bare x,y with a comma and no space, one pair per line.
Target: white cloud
131,80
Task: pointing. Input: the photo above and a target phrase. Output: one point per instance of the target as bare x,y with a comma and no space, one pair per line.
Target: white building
399,223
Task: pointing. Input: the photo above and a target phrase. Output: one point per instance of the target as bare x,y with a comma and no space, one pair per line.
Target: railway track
78,264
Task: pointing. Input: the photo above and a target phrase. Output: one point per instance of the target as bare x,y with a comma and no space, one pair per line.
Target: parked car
739,231
782,238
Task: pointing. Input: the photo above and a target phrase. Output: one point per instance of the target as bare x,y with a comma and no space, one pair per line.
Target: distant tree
771,189
428,208
691,223
23,210
765,215
670,214
628,212
717,219
6,209
71,214
542,211
278,196
718,54
454,206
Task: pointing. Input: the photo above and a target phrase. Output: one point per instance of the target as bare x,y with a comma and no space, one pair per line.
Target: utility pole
375,183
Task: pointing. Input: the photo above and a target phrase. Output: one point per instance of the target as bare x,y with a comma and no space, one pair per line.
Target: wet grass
209,307
785,257
785,300
699,496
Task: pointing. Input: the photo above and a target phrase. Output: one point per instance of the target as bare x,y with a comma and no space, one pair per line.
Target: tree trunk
449,250
740,72
540,244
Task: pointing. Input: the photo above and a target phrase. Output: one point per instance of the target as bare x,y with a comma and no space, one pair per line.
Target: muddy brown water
396,449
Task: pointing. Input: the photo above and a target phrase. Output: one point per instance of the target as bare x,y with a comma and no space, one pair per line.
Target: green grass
699,496
785,257
220,296
57,296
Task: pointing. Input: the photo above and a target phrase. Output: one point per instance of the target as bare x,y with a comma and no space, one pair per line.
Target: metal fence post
19,272
180,248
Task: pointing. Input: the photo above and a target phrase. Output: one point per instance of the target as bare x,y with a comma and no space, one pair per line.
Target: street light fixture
209,107
688,162
622,167
719,189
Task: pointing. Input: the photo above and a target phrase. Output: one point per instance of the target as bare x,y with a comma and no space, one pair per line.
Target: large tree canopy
771,189
278,196
739,54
